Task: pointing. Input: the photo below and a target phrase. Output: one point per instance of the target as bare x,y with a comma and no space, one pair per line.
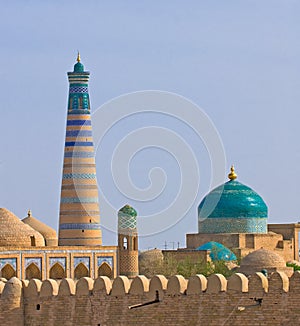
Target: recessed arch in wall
32,271
105,270
57,272
81,271
8,272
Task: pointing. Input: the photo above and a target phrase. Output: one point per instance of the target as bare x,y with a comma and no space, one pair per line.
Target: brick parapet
214,300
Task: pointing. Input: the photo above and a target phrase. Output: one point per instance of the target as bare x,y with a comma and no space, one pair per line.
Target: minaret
79,218
128,242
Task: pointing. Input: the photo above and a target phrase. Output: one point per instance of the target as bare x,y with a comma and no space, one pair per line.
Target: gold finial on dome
232,175
78,56
29,213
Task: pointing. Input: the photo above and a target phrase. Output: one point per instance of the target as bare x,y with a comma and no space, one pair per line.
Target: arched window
8,272
80,103
125,243
105,270
32,239
32,271
135,243
71,103
57,272
81,271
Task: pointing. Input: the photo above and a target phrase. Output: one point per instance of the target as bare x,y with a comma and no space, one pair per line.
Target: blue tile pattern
80,111
232,208
78,89
233,199
79,133
79,143
218,251
109,260
11,261
79,176
84,260
79,154
233,225
79,226
59,260
66,200
37,261
79,123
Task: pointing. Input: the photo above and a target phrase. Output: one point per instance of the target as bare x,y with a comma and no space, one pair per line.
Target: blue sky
237,60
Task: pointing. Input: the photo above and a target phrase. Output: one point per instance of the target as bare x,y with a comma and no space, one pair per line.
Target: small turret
128,242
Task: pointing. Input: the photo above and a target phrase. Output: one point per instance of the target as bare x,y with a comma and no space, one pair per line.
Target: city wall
256,300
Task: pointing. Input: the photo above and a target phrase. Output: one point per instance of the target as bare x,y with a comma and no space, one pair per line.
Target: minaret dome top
78,67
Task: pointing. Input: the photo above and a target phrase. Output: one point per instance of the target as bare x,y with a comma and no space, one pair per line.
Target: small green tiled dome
78,67
232,208
127,217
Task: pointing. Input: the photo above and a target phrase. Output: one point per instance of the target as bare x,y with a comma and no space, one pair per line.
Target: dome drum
233,225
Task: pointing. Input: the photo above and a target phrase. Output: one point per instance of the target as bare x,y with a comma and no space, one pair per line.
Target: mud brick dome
46,231
263,259
14,232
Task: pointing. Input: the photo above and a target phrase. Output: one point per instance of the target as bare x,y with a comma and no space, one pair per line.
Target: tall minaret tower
79,218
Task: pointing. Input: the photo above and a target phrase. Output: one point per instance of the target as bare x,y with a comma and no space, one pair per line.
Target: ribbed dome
232,208
14,232
46,231
233,199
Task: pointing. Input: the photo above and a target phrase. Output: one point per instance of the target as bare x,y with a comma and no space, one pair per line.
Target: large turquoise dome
232,208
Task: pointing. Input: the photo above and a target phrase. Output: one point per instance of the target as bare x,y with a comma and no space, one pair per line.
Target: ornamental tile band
80,226
80,154
79,200
78,143
79,176
233,225
80,111
79,123
78,89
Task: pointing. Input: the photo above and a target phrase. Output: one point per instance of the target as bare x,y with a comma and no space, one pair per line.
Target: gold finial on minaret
78,56
232,175
29,213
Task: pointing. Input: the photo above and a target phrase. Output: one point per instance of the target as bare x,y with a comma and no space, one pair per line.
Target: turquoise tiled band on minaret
79,218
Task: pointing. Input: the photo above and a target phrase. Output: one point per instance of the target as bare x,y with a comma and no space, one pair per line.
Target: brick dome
261,259
14,232
46,231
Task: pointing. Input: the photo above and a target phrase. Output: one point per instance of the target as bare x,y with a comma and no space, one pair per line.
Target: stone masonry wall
199,300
